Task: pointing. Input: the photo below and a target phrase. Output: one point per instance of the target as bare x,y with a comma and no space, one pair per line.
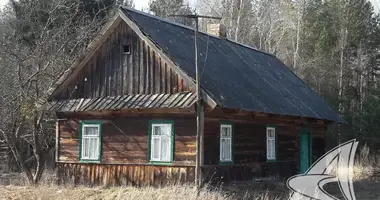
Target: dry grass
15,186
366,166
146,193
54,192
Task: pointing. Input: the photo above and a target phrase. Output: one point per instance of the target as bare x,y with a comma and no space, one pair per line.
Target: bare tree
55,36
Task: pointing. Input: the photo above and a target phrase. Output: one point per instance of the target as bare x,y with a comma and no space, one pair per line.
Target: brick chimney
218,30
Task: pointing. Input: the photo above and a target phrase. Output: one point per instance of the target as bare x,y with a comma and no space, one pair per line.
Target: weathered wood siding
125,140
110,72
125,146
250,146
131,175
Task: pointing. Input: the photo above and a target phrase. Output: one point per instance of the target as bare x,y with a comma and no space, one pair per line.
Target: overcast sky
139,4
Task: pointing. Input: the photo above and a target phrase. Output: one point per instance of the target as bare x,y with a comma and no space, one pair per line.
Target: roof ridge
190,28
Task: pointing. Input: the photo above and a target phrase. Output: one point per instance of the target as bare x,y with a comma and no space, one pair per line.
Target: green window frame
161,137
226,143
271,143
90,144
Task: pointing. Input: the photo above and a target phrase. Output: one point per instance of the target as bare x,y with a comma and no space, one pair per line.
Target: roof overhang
135,101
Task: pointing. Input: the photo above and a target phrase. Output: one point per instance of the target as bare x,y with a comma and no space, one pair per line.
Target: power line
206,55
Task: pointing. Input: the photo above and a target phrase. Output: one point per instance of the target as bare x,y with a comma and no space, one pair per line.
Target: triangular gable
105,70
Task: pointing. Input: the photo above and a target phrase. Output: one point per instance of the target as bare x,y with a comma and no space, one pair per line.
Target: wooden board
111,72
125,140
125,175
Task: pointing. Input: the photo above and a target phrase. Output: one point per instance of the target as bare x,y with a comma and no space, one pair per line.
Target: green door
305,148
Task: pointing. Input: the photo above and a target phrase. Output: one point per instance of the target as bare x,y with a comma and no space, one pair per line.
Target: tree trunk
343,36
238,21
296,51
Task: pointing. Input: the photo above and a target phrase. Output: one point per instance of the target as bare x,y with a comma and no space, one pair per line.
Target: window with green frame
271,144
90,141
226,143
161,141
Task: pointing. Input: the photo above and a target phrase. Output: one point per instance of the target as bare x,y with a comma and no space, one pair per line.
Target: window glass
161,149
271,143
90,142
225,142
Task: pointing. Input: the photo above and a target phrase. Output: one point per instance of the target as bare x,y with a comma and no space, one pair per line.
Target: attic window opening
127,49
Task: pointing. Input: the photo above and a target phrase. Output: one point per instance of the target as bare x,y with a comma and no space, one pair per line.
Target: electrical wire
206,55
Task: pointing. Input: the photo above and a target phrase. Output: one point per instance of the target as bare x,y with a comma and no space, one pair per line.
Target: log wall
111,72
125,140
250,145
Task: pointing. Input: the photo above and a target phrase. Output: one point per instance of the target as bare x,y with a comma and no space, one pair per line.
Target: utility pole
200,109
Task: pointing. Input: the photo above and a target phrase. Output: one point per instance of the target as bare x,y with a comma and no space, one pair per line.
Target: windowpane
225,149
271,143
228,149
166,129
155,148
90,130
161,142
90,141
225,142
222,149
226,131
165,149
270,153
156,130
85,147
93,148
90,148
271,133
271,149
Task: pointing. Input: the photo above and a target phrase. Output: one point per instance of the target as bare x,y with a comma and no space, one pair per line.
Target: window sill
161,162
89,161
271,160
226,162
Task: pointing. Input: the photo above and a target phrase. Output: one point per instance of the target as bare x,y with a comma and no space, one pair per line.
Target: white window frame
160,137
225,138
271,139
96,157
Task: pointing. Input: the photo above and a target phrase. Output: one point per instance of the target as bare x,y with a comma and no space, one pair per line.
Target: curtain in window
225,143
156,148
270,148
90,142
271,144
161,142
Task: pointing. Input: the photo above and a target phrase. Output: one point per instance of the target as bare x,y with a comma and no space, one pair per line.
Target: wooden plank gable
124,64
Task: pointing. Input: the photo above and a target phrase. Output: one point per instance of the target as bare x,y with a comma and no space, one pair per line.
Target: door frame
310,149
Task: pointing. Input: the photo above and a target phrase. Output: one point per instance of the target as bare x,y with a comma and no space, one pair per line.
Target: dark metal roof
235,75
136,101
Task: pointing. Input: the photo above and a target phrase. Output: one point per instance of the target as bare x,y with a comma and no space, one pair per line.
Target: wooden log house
126,109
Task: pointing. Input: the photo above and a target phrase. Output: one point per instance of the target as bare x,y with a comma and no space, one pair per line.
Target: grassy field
146,193
364,189
13,186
